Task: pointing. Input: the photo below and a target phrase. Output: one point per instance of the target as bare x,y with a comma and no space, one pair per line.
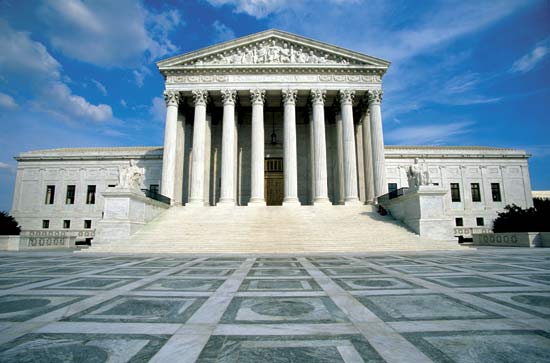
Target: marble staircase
302,229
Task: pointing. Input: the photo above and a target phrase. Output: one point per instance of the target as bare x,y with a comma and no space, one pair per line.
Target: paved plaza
480,306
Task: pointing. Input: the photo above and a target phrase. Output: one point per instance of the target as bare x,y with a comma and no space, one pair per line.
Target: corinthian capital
346,96
229,96
171,98
257,96
289,96
375,95
200,97
318,96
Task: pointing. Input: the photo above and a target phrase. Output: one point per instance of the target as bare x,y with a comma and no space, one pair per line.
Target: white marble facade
269,95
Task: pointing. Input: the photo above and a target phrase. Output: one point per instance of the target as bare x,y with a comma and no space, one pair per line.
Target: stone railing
47,239
469,231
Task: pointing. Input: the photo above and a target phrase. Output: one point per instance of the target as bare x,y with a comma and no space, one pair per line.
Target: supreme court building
268,119
281,115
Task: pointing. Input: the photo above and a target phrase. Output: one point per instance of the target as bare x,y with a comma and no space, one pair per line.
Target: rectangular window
495,191
69,199
476,193
87,223
50,194
459,222
90,195
455,192
154,188
66,224
111,185
480,221
436,184
45,224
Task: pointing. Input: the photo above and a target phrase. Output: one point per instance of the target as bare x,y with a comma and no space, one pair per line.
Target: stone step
307,229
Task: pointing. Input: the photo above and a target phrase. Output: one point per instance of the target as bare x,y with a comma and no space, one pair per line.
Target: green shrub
8,225
517,219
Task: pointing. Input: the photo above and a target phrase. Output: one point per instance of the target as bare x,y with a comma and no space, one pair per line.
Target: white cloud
58,100
123,103
109,33
21,56
5,166
7,102
533,58
140,74
157,110
100,87
429,133
51,94
222,32
256,8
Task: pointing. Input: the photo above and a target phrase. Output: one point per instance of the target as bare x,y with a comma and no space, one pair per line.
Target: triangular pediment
272,48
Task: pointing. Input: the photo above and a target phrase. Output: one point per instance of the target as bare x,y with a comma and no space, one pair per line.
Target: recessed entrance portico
227,102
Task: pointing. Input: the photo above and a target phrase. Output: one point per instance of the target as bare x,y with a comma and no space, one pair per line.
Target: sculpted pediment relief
272,51
272,47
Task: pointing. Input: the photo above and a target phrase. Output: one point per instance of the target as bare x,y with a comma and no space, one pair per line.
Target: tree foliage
517,219
8,225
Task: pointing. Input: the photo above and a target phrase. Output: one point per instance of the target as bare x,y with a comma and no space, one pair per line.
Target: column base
352,201
321,201
291,202
226,203
195,203
257,203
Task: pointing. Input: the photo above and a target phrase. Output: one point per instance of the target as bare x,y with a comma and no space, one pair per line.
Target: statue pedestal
125,211
423,210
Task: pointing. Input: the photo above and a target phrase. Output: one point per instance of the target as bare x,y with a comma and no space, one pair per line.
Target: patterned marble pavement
484,306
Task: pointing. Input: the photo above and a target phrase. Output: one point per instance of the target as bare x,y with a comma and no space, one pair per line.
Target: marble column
289,143
169,154
377,140
340,156
180,150
257,97
200,98
367,154
320,149
350,162
229,97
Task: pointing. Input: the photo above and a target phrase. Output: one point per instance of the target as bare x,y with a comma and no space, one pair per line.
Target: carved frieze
272,51
325,78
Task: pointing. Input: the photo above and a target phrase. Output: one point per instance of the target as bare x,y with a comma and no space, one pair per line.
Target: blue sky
77,73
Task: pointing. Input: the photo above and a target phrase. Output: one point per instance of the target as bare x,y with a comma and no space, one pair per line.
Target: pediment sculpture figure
131,177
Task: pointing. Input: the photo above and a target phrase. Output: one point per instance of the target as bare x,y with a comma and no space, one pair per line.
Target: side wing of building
481,180
61,189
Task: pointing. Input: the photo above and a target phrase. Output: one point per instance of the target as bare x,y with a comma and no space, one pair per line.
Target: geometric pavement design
479,306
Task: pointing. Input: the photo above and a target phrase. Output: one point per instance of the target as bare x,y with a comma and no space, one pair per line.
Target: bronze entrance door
274,181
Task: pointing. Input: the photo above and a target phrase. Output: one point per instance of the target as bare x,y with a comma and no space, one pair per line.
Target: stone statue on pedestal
131,177
418,175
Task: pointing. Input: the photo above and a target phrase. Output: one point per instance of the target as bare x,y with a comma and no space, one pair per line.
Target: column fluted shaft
290,154
367,157
377,138
180,151
200,98
320,149
350,161
340,156
227,194
257,160
168,180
